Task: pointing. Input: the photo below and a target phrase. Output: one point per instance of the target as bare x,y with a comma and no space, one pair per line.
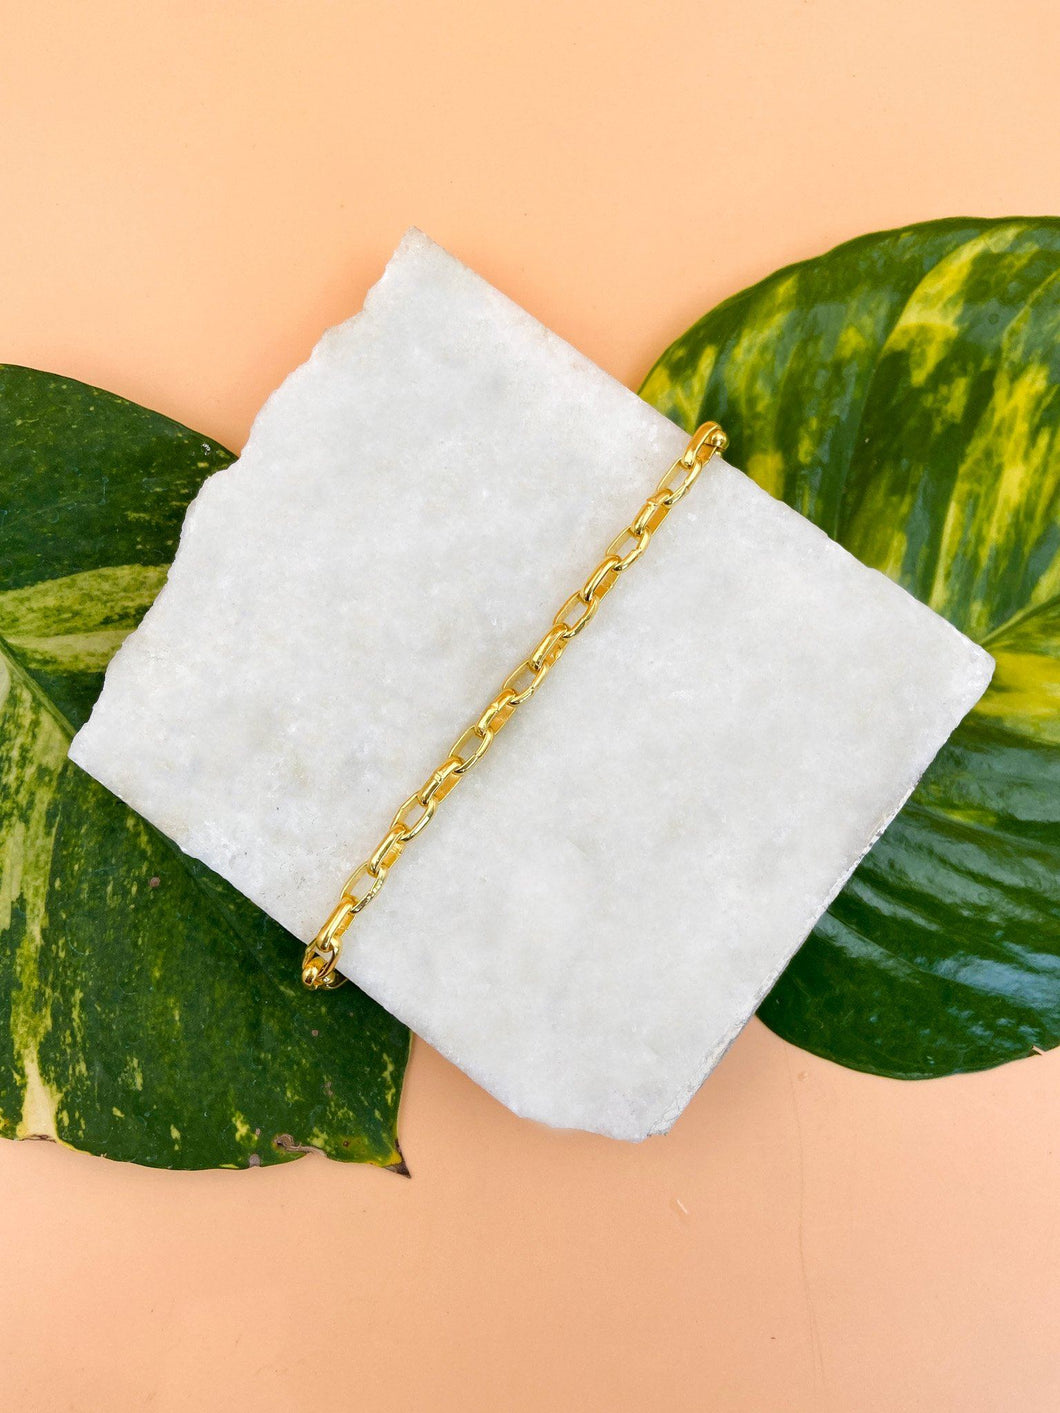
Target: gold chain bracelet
322,954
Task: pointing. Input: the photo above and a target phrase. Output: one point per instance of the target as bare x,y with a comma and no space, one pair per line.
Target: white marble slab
598,909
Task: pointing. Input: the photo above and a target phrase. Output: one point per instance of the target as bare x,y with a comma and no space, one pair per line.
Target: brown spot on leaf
286,1144
400,1167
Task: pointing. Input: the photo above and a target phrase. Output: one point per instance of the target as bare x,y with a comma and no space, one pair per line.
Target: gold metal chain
322,954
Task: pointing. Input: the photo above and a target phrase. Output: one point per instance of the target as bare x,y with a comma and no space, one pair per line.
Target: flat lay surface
269,717
194,193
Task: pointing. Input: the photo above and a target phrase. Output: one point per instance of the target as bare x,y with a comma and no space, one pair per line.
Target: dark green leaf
903,392
149,1012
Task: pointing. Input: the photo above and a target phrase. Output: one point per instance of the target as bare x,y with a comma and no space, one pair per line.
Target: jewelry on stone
319,964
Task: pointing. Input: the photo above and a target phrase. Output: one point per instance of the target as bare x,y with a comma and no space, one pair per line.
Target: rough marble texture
599,907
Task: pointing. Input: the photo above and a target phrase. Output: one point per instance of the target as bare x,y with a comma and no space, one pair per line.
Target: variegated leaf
903,391
147,1011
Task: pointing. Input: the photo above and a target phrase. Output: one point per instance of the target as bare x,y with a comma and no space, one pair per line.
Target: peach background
191,192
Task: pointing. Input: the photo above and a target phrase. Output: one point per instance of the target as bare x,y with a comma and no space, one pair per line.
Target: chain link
322,954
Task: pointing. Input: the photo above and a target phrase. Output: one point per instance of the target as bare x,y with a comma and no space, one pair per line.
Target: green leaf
903,392
147,1011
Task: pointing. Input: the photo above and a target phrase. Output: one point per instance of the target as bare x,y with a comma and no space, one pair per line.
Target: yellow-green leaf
147,1011
903,391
